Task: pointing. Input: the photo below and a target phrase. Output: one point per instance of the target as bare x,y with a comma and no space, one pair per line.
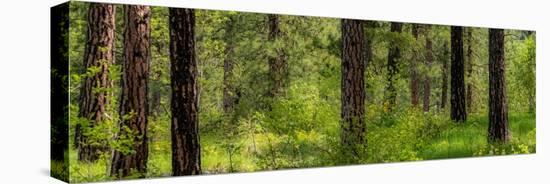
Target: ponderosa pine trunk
428,63
277,62
444,76
458,95
353,88
414,83
186,154
498,110
134,106
98,55
392,67
229,93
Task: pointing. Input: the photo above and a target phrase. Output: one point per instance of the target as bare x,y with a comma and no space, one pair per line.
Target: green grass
160,159
470,139
88,172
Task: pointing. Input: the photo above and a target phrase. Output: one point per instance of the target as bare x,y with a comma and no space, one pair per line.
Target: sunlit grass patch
470,139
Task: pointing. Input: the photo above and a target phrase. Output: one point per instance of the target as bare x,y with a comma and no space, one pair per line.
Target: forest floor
451,141
470,139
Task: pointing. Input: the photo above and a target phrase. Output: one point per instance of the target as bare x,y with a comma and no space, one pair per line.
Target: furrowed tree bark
414,71
444,76
278,73
394,55
229,93
428,62
186,154
458,96
469,70
353,89
134,106
498,108
98,56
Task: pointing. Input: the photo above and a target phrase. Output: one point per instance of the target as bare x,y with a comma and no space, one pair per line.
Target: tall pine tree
134,107
498,107
98,57
458,91
186,154
353,88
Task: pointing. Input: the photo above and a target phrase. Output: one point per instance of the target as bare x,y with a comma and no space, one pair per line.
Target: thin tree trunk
98,55
458,96
414,70
353,88
498,110
134,106
277,63
394,55
427,80
186,154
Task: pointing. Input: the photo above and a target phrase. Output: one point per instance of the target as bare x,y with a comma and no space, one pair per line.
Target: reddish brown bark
134,106
98,55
